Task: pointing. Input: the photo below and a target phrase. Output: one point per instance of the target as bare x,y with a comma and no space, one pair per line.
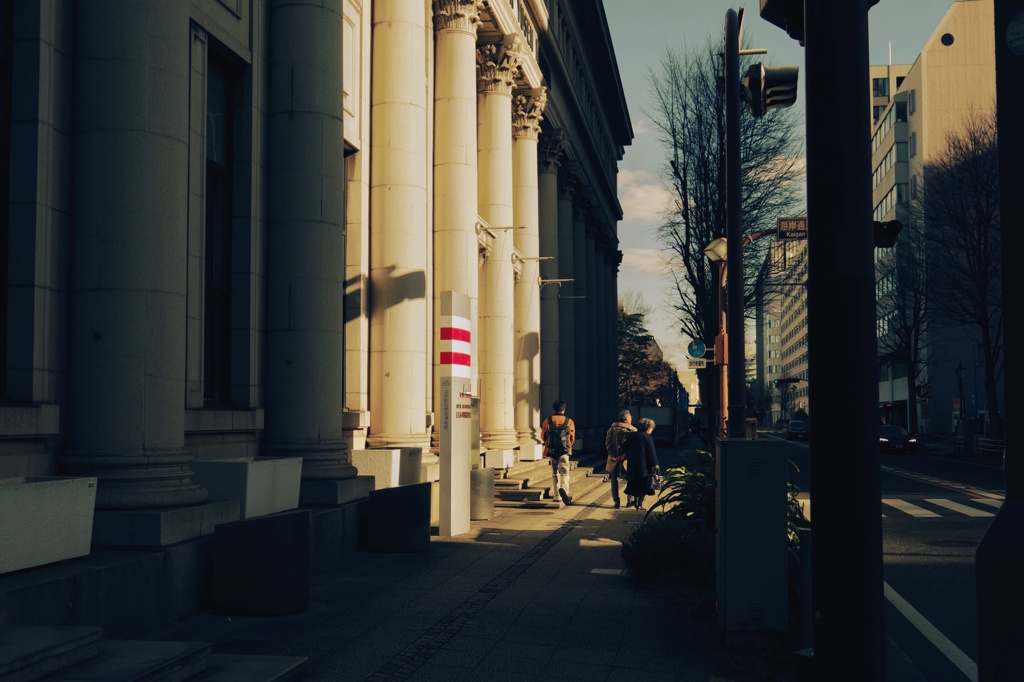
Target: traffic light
769,87
886,233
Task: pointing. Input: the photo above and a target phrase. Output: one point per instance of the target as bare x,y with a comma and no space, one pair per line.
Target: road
935,510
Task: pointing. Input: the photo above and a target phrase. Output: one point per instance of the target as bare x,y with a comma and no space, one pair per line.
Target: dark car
896,439
798,429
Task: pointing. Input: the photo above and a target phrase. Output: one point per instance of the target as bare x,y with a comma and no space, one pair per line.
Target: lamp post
716,252
960,372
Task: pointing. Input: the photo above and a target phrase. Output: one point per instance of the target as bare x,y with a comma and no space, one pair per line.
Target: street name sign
792,228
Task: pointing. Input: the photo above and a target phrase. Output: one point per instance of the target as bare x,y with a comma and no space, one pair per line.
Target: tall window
880,87
6,62
219,217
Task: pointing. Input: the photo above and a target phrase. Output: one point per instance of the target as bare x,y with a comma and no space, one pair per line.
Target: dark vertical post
734,228
845,477
1000,555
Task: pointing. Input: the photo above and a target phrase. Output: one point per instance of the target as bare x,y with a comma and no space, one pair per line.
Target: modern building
228,229
885,81
952,78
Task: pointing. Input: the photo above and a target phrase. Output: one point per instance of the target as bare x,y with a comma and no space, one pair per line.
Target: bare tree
905,315
961,216
688,112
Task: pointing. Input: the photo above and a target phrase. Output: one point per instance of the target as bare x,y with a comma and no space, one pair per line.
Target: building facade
227,226
952,78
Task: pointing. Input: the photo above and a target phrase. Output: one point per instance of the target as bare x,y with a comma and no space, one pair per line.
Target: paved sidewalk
528,595
532,594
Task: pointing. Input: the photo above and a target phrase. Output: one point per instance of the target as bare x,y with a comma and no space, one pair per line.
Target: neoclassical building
226,227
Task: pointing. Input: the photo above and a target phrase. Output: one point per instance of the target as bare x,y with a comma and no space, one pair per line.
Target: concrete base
262,485
481,494
531,452
389,467
261,565
498,459
335,491
398,519
751,553
152,528
44,519
131,592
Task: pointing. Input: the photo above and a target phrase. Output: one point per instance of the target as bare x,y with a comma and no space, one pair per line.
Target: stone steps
79,654
528,484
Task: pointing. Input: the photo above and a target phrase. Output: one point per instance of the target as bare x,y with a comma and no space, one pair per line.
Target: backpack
621,441
558,438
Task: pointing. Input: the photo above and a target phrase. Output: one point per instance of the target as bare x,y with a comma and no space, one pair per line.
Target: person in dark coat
641,458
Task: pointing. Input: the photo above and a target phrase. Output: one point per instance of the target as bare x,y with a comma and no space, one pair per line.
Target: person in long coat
641,458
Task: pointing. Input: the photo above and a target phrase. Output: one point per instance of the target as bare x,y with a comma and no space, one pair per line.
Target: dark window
220,107
879,109
901,112
6,92
899,81
880,87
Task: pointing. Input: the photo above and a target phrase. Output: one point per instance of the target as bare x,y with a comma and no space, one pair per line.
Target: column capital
497,65
553,151
528,111
457,15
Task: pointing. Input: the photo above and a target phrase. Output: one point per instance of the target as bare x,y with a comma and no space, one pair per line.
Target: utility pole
849,623
1000,554
734,226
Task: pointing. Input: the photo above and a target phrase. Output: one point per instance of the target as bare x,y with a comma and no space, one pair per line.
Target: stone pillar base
335,491
355,425
161,527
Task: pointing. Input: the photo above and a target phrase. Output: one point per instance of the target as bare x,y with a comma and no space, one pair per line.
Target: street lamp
716,252
960,372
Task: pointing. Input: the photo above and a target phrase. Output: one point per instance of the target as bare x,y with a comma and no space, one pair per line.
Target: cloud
646,261
642,196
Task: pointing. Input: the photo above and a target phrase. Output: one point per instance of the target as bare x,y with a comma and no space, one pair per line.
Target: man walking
614,439
559,433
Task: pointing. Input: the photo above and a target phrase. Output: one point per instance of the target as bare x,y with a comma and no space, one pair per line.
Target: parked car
798,429
896,439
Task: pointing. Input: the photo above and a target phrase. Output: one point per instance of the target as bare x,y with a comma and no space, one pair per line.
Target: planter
44,519
262,485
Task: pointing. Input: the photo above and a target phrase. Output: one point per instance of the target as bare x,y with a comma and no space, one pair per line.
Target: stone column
305,241
527,110
547,196
126,346
592,330
456,245
566,291
582,319
498,63
612,311
599,409
398,228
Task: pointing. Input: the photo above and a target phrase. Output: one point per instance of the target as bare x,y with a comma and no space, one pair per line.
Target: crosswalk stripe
909,508
921,512
957,507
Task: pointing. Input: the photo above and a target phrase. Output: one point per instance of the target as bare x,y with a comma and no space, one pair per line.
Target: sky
642,30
